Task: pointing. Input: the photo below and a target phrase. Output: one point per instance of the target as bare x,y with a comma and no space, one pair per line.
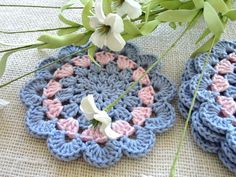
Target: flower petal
99,11
88,107
115,22
115,41
111,133
103,117
94,22
131,8
98,39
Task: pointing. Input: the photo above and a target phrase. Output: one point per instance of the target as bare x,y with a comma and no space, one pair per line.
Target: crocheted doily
53,99
213,120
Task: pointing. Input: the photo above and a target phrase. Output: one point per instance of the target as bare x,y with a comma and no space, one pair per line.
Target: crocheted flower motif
53,100
213,120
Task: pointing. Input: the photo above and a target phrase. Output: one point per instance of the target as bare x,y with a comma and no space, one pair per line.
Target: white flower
131,8
3,103
107,29
89,108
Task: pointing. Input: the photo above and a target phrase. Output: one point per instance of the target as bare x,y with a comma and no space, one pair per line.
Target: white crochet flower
89,108
107,29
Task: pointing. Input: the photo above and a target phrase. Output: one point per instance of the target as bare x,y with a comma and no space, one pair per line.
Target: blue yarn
210,131
63,149
140,145
106,83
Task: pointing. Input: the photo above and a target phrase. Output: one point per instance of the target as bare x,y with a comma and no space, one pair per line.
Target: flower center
104,29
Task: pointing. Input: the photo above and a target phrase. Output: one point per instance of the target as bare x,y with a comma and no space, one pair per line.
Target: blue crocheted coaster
53,99
213,120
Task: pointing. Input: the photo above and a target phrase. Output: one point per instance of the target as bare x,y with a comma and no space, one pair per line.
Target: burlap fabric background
23,155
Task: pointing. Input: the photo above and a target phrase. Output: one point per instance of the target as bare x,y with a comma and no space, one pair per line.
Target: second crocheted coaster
53,100
213,119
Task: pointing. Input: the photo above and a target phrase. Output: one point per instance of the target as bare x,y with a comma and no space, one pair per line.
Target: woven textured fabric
53,97
213,119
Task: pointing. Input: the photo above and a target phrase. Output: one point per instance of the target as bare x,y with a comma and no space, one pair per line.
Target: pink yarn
228,105
224,66
124,62
146,95
104,57
83,61
138,73
64,71
71,126
52,88
140,114
232,57
219,83
123,128
54,108
91,134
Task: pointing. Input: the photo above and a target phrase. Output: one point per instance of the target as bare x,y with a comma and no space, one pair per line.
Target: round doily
53,99
213,120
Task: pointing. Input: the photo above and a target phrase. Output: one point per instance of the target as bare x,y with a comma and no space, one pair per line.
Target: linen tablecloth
23,155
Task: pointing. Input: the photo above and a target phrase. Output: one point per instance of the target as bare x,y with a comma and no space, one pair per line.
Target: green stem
181,143
36,6
22,47
38,30
110,106
45,66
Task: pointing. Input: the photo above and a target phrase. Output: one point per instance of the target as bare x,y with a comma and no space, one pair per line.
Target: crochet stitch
53,99
213,120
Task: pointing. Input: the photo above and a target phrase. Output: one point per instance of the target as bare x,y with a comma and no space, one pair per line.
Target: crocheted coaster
213,119
53,101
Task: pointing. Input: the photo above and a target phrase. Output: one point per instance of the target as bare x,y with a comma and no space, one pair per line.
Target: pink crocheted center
220,84
71,125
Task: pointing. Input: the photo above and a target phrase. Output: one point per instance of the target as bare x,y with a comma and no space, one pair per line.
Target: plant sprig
183,135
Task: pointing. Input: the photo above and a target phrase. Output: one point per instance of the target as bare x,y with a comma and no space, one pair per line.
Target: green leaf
170,4
231,14
172,25
149,27
67,31
64,19
198,3
229,3
177,15
127,37
91,52
131,28
67,21
196,18
83,38
3,62
205,47
219,5
107,6
86,13
188,5
153,5
205,33
84,2
212,19
147,12
55,41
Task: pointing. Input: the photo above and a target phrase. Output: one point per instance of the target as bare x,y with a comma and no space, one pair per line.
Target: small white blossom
90,110
108,29
130,7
